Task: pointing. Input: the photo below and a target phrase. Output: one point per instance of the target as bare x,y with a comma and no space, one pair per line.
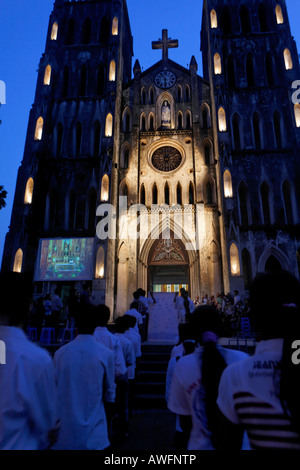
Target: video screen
68,259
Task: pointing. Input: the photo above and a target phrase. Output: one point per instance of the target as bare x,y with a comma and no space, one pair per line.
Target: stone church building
202,172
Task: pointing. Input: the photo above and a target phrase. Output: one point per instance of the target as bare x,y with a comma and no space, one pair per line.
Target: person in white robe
85,374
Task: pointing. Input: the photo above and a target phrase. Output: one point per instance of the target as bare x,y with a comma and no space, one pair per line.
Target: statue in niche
166,115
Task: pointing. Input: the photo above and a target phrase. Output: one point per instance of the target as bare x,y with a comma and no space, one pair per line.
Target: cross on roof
165,44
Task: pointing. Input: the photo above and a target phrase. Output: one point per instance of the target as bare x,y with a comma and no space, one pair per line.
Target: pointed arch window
207,153
100,80
100,260
265,200
231,72
96,139
39,129
78,139
188,120
126,121
143,123
217,64
256,121
86,31
82,81
270,70
72,210
180,121
243,203
226,21
151,96
236,128
167,194
247,268
227,181
143,195
187,94
288,62
65,82
279,14
213,19
179,94
143,96
234,260
263,19
47,75
105,188
151,122
191,193
286,189
104,30
115,27
54,32
205,117
222,120
18,261
126,158
59,139
250,71
297,114
154,195
179,194
70,33
112,71
29,191
109,125
245,20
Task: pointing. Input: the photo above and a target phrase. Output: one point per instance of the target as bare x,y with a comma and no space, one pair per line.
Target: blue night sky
23,29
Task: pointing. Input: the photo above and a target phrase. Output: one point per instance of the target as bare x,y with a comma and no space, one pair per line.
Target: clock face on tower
165,79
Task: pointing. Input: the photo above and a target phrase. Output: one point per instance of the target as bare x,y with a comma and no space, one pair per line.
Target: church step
153,366
148,401
157,348
156,357
152,376
152,388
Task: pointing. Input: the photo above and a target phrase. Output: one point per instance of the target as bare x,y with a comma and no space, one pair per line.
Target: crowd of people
223,399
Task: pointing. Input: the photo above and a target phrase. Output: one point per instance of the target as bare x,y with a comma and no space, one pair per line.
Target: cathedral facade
163,178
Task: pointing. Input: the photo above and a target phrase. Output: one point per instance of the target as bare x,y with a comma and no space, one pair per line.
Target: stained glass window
166,159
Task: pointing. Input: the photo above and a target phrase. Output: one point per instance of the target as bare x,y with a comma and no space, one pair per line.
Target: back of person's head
134,305
15,294
187,337
136,295
120,325
207,325
130,321
141,292
102,315
86,321
275,305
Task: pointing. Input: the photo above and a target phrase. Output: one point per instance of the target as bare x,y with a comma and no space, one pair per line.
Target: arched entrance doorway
168,272
168,266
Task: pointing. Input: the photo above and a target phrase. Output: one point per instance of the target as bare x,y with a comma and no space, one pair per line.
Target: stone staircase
151,379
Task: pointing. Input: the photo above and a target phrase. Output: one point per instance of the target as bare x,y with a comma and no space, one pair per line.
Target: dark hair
102,314
275,305
136,295
121,325
130,321
134,305
86,321
206,318
15,294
